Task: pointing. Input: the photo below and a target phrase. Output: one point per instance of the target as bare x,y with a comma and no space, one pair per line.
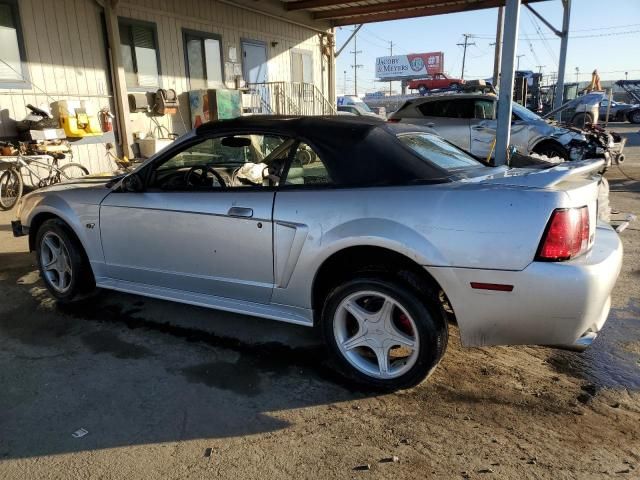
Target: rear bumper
563,304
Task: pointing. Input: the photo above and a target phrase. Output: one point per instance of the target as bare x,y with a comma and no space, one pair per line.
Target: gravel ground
172,391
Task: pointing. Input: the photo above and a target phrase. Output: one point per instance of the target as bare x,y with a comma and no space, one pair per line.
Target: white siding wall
232,24
66,56
66,60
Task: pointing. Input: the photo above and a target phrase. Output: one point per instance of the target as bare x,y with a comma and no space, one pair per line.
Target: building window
203,53
301,66
140,56
12,57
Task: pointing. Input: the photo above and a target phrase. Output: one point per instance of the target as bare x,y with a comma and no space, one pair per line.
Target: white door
254,62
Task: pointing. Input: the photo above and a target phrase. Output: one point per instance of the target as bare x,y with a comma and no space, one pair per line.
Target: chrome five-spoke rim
55,261
376,334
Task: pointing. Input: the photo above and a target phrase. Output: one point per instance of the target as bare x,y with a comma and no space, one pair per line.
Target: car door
484,126
449,118
185,232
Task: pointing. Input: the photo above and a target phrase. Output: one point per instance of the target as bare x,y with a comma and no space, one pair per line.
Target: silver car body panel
187,247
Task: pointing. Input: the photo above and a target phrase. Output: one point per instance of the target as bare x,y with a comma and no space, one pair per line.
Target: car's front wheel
382,333
64,267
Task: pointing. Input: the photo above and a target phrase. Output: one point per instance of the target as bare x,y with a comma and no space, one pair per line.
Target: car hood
90,181
90,190
560,133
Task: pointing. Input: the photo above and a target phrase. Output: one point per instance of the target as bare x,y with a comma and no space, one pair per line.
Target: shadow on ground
134,370
614,358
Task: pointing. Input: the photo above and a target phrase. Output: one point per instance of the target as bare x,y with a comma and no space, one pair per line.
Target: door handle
431,124
240,212
479,128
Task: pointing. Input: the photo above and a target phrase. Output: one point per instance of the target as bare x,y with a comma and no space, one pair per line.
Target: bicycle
12,184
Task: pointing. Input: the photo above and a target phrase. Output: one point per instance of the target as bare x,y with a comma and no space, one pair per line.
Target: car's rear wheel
634,117
382,333
64,267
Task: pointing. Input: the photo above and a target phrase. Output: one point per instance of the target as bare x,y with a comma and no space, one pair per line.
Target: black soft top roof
356,150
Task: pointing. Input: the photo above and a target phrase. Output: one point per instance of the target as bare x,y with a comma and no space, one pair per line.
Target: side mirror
132,183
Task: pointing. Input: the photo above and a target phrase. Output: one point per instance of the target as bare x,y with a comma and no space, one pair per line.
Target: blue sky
612,46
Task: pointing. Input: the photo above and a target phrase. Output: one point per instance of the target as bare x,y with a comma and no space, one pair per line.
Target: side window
432,109
225,162
138,44
459,108
307,168
12,67
484,109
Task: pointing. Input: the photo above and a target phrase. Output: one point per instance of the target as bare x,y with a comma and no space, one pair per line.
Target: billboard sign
413,65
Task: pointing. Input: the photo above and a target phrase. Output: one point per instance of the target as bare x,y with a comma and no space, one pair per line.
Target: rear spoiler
553,176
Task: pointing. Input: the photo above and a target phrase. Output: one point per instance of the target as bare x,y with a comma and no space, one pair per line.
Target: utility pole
355,65
344,84
518,63
577,74
540,67
498,47
626,75
391,55
464,53
562,62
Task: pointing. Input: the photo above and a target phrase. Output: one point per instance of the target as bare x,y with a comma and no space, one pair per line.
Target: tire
61,256
454,86
581,119
551,149
634,116
73,170
411,318
423,89
10,188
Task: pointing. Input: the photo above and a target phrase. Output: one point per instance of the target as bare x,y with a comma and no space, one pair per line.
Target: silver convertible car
379,234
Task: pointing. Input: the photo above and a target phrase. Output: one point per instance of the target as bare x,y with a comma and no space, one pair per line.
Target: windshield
437,151
525,113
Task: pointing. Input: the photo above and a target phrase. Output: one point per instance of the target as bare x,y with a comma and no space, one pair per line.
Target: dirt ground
172,391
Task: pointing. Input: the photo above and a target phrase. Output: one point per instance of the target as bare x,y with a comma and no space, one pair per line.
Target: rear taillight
393,120
567,235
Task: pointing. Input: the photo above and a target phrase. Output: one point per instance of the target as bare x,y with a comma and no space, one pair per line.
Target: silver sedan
379,234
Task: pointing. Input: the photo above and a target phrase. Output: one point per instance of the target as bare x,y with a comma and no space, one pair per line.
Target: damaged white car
469,121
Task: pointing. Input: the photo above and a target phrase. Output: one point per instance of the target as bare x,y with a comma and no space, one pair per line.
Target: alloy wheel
55,262
376,334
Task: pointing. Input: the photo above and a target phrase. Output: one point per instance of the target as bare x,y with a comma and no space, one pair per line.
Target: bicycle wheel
72,170
10,188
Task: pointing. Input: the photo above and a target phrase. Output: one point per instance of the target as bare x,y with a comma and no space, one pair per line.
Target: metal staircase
288,98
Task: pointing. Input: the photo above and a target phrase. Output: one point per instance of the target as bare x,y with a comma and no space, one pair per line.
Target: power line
527,38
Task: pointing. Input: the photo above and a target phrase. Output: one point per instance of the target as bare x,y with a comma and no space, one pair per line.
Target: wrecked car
469,121
579,111
378,234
